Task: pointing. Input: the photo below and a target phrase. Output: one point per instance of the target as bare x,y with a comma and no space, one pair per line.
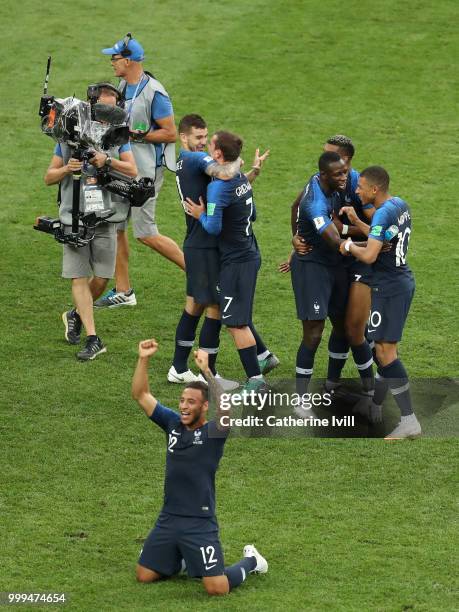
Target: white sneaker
408,428
114,299
262,565
184,377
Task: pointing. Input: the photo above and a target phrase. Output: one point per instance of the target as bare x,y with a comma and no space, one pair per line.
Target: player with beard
187,529
195,168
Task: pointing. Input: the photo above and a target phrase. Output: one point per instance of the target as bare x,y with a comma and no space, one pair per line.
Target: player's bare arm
368,254
140,389
300,246
215,390
332,237
294,213
258,162
225,171
360,227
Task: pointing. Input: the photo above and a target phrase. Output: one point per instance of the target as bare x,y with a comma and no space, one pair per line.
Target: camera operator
90,266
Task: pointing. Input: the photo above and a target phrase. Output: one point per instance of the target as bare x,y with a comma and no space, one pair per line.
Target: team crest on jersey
319,222
197,436
316,307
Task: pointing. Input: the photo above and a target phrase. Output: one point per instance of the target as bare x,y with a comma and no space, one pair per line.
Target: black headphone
93,93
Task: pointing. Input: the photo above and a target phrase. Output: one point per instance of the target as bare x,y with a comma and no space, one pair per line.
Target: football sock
397,378
363,359
209,340
304,367
381,388
238,572
184,340
262,350
248,357
338,352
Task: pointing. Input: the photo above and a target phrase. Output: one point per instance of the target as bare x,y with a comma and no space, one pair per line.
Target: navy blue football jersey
392,222
191,463
230,214
192,182
314,216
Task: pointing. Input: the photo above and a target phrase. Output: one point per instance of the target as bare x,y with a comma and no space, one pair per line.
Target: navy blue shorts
320,291
191,538
359,272
237,292
202,274
388,316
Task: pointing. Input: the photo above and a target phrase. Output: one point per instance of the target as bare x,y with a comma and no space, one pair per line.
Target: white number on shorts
402,247
208,556
172,442
375,319
248,202
230,299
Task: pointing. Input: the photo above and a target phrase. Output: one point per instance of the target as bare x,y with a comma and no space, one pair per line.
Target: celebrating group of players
350,242
350,239
332,276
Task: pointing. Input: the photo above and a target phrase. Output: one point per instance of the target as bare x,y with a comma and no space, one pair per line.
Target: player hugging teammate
372,283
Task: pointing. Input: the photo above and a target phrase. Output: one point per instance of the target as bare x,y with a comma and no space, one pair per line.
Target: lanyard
134,97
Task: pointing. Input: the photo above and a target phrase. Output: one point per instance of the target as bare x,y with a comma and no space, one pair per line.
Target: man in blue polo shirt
153,134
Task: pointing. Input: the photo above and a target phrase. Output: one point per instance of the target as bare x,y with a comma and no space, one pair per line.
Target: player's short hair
326,159
344,143
191,121
377,175
229,144
201,386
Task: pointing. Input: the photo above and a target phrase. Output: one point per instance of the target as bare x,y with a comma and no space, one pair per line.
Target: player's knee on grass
145,575
216,585
386,352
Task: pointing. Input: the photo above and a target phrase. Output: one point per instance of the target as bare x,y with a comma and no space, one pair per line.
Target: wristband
347,245
345,230
108,161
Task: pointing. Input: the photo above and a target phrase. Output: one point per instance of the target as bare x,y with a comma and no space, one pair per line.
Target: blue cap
128,47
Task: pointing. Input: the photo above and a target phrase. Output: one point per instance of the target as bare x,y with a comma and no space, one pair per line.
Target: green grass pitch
345,524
